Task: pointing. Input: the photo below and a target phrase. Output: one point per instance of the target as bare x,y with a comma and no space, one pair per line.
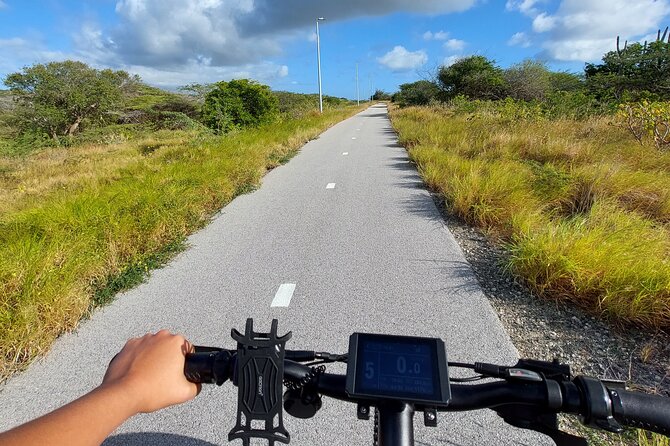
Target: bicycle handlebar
582,395
650,412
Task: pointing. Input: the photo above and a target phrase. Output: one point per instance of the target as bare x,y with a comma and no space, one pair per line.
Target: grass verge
77,225
583,209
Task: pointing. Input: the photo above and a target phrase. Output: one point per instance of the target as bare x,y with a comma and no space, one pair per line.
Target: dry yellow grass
78,224
583,209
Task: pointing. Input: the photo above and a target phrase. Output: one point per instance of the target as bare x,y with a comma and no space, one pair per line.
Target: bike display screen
411,369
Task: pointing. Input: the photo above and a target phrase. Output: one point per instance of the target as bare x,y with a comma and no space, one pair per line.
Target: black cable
462,365
468,379
322,361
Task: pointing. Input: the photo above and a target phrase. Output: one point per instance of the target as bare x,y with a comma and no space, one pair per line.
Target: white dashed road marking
345,153
284,295
330,186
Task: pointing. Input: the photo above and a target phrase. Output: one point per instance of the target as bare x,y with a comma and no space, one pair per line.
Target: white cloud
454,45
519,39
200,72
583,30
399,59
208,40
439,35
543,23
526,7
149,34
16,53
450,60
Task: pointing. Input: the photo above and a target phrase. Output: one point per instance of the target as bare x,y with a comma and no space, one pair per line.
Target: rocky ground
545,329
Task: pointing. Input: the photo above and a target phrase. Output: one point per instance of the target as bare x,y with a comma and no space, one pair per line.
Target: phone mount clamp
259,375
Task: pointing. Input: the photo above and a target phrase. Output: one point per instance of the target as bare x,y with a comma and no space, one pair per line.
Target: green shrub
417,93
238,104
57,97
647,120
573,105
173,120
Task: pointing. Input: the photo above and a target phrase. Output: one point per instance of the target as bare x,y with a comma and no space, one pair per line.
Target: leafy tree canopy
198,91
238,103
528,80
475,77
417,93
57,97
637,68
381,95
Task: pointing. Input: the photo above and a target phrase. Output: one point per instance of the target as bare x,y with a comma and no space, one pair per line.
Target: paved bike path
350,224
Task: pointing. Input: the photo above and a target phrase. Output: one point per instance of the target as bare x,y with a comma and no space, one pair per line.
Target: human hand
150,370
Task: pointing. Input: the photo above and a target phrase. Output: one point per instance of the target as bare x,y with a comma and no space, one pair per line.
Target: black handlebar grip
208,367
650,412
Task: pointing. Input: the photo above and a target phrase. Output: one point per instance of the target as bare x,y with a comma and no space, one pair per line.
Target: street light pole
358,94
318,60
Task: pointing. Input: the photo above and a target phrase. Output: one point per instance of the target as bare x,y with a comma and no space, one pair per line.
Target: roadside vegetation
88,211
569,172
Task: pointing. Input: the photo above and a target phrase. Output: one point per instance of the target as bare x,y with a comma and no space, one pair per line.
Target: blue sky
175,42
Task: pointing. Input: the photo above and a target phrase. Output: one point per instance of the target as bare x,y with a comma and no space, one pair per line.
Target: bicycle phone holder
259,375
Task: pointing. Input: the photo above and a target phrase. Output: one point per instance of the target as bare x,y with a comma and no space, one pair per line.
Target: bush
381,95
179,104
417,93
508,110
528,80
475,77
635,68
237,104
647,120
573,105
173,120
56,98
293,105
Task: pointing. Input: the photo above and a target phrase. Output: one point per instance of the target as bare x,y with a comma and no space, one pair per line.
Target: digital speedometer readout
411,369
401,368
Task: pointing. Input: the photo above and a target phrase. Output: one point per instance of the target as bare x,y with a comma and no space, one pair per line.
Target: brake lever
545,422
259,375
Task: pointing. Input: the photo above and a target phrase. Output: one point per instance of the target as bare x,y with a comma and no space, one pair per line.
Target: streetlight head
321,18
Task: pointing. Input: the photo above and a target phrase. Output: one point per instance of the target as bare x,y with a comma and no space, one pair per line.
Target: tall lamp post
358,94
318,60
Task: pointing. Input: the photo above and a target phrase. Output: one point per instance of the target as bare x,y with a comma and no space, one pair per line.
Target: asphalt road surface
348,222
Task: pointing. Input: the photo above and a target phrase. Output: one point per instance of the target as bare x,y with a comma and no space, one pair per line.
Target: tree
528,80
57,97
636,69
381,95
566,81
475,77
197,91
417,93
239,103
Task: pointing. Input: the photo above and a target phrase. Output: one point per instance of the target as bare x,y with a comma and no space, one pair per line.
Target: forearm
83,422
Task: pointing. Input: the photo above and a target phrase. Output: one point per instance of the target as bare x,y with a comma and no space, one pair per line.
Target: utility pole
318,62
358,94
